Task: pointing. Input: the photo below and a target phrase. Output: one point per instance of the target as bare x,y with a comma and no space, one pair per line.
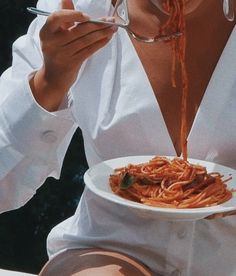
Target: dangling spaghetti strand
176,23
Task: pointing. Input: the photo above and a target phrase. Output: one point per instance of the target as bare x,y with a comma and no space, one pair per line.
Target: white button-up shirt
113,103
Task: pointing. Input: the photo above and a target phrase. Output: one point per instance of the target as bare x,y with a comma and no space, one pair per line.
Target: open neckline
204,99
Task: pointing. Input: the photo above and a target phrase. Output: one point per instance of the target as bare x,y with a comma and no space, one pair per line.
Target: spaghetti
176,183
173,183
176,23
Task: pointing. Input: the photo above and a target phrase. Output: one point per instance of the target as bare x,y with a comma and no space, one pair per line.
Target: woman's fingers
79,50
57,19
66,48
67,4
86,49
66,44
71,36
90,50
221,215
56,22
85,39
82,29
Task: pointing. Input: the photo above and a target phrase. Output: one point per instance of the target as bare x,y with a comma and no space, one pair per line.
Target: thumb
67,4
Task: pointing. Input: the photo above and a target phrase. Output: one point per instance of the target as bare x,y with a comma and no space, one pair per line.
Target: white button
175,273
49,136
181,234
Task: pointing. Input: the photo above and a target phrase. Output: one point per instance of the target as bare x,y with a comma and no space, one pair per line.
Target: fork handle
46,13
37,11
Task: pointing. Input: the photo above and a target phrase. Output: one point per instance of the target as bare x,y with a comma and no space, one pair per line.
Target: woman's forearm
48,94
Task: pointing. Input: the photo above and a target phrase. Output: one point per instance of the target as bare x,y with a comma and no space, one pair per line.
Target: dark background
23,232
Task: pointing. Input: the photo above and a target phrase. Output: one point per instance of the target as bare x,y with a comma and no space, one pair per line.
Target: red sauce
176,23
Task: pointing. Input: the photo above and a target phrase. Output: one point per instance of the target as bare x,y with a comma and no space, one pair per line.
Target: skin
90,262
158,57
65,47
200,15
190,5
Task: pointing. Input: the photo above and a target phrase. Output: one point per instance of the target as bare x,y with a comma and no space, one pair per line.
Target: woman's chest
166,75
127,119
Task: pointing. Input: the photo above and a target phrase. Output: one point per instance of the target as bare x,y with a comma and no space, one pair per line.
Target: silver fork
121,20
228,8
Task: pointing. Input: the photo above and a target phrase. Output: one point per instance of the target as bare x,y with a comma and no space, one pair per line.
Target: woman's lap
86,262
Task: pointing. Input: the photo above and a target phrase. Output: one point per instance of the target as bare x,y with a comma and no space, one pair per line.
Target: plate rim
198,212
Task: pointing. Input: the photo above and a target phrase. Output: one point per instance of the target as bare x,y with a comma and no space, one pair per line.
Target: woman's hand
65,46
222,215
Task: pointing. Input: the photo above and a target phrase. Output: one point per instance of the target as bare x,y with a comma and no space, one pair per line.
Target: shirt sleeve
33,141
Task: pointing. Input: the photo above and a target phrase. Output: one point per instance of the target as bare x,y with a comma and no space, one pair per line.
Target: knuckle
47,47
55,16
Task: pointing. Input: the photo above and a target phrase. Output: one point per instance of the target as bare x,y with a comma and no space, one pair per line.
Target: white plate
96,179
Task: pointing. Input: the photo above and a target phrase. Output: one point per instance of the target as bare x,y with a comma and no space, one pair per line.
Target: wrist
48,93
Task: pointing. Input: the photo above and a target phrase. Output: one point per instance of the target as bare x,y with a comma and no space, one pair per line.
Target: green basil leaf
127,181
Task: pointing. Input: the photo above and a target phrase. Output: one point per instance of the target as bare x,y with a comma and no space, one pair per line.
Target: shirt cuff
30,128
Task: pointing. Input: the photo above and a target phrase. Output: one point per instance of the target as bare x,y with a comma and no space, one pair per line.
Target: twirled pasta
169,183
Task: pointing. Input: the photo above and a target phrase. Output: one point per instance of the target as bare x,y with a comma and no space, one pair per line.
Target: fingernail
109,19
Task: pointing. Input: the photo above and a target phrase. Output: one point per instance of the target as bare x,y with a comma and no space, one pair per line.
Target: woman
120,88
